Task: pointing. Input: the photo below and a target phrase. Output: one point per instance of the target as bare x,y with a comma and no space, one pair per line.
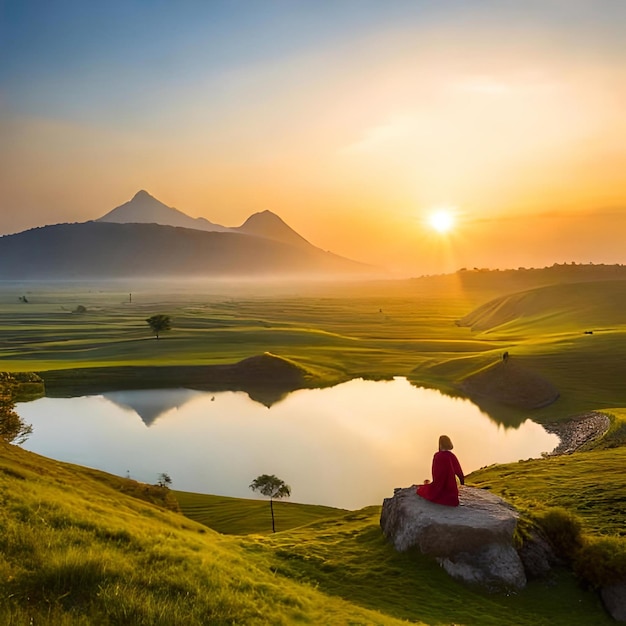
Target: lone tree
164,480
159,323
13,429
271,487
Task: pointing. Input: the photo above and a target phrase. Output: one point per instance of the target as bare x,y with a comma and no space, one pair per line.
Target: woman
446,467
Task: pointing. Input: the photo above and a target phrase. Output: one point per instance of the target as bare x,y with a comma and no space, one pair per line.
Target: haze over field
353,121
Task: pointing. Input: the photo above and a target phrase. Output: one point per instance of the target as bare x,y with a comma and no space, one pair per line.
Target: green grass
237,516
76,548
350,558
378,330
590,484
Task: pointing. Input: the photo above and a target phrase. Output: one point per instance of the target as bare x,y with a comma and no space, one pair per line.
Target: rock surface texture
614,598
473,542
578,431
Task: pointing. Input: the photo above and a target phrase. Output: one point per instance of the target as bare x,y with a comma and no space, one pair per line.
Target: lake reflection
347,446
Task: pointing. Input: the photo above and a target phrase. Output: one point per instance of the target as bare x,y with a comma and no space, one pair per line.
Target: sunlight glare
442,220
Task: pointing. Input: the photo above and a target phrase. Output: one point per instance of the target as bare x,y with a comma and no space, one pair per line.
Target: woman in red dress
446,467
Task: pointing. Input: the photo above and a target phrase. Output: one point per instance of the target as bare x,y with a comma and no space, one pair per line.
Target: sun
442,220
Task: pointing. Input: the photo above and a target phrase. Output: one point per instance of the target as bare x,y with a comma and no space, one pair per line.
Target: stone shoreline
578,431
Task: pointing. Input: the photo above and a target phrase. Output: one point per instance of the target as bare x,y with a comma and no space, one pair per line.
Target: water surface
347,446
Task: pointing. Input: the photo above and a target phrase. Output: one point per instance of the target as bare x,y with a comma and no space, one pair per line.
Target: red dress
443,489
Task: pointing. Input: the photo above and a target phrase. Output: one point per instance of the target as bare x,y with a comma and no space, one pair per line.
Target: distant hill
505,281
101,250
567,306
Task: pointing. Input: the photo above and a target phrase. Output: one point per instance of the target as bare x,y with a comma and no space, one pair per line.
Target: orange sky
352,123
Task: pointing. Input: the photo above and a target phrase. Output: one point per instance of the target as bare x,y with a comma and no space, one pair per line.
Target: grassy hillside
237,516
590,484
77,549
560,308
569,337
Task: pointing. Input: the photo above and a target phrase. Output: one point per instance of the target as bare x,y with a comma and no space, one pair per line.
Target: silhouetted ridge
145,237
112,250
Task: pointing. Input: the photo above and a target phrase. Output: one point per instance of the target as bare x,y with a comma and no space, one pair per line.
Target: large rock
614,598
473,542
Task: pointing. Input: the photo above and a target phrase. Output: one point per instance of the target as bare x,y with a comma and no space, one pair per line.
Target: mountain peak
263,217
142,194
146,209
269,225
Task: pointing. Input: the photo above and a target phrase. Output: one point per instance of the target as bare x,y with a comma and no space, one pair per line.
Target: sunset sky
353,120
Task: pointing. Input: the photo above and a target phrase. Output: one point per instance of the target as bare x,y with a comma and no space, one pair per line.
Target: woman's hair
445,443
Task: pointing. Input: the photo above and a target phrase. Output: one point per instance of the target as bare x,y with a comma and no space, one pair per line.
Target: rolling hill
579,326
585,306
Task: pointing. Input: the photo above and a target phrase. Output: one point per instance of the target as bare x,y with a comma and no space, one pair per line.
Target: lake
347,446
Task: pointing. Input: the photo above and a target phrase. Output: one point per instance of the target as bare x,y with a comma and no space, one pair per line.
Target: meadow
80,546
83,547
86,339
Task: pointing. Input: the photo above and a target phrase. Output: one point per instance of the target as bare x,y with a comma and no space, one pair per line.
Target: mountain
269,225
145,209
99,250
145,238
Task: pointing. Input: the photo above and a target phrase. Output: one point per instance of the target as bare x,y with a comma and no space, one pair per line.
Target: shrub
21,386
602,561
13,429
563,529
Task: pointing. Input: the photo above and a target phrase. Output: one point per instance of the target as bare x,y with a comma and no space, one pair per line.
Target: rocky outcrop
537,554
614,599
473,542
578,431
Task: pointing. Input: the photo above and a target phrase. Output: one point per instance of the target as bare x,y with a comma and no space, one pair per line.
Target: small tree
159,323
271,487
164,480
13,429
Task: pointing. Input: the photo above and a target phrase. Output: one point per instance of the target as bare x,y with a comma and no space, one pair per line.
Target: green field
332,332
83,547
